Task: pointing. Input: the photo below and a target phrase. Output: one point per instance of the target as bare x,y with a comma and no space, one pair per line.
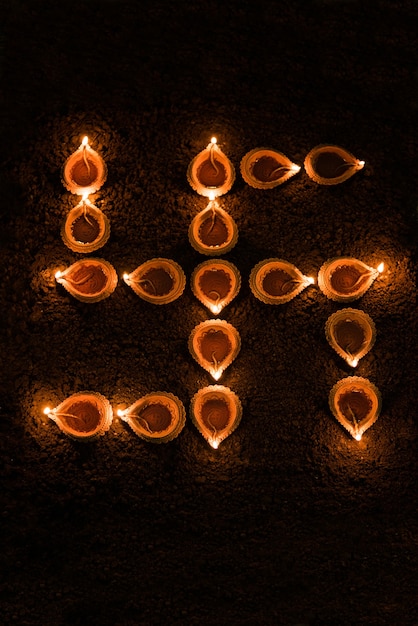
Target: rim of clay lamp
358,317
216,265
216,250
356,384
353,164
78,246
331,265
98,400
234,406
203,329
169,266
263,268
168,400
107,269
69,182
248,161
200,188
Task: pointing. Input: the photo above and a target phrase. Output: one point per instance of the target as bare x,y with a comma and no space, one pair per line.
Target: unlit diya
345,279
214,344
264,168
211,173
158,417
351,333
215,283
213,231
86,228
216,412
275,281
356,403
158,281
331,165
84,416
84,172
89,280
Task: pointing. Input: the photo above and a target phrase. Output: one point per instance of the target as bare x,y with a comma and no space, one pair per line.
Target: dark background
290,521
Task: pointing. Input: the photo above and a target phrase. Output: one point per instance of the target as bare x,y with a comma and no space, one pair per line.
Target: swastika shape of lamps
83,416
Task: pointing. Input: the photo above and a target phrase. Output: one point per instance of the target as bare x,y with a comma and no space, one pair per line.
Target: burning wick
124,414
380,268
47,411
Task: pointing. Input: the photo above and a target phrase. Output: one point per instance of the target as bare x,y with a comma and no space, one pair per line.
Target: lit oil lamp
213,231
351,333
83,416
211,173
88,280
84,172
264,168
215,283
356,403
157,417
86,228
214,344
331,165
345,279
158,281
216,412
275,281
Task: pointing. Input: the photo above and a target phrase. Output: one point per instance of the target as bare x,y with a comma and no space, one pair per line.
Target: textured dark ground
290,522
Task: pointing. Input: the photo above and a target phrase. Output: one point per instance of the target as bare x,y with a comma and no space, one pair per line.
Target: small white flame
211,196
47,410
380,268
215,308
214,140
214,443
361,164
352,362
85,197
358,437
120,413
85,141
295,168
126,276
310,280
216,374
58,275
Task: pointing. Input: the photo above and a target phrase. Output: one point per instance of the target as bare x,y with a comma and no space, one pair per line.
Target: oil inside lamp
356,404
215,283
214,344
86,227
331,165
213,231
274,281
211,172
351,333
84,171
216,412
88,280
264,168
83,416
158,281
345,279
157,417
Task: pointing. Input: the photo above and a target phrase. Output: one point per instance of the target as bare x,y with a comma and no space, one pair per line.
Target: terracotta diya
331,165
86,228
211,173
216,412
158,281
215,283
83,416
89,280
275,281
157,417
351,333
345,279
214,344
84,172
356,403
264,168
213,231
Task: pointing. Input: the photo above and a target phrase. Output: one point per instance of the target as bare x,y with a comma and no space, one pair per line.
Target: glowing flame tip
358,437
214,140
47,410
310,280
85,141
214,443
58,274
380,268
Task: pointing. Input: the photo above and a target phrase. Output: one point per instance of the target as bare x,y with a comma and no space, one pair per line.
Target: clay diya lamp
89,280
351,333
83,416
215,283
211,173
356,403
213,231
86,228
158,281
264,168
275,281
157,417
84,172
216,412
345,279
214,344
331,165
